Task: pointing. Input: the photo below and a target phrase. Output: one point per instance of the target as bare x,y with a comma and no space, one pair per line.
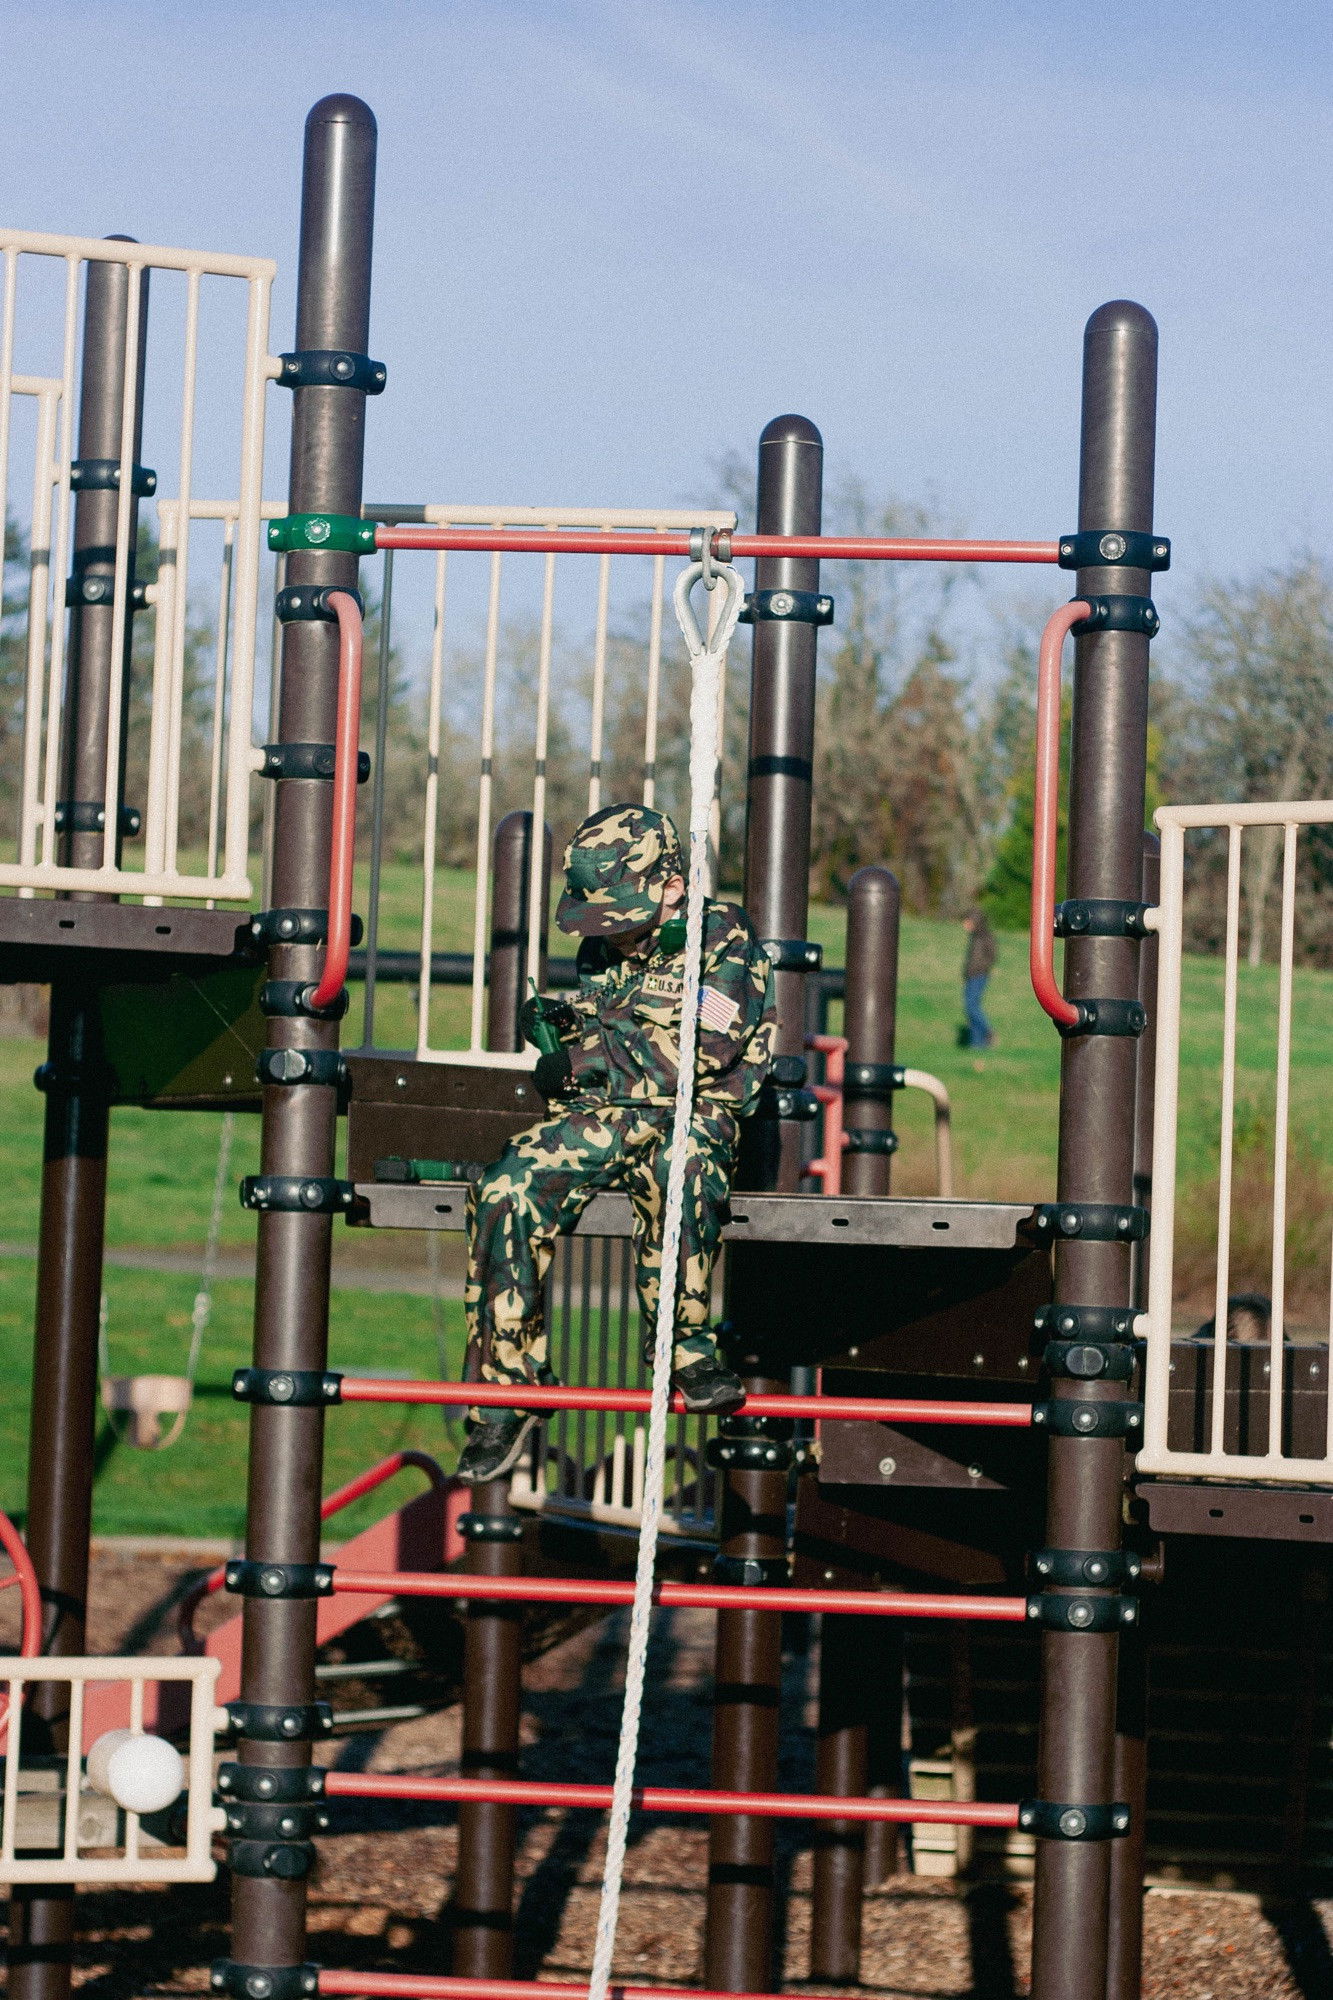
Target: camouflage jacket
628,1048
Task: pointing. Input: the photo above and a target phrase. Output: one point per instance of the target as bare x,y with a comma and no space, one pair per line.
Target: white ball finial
142,1773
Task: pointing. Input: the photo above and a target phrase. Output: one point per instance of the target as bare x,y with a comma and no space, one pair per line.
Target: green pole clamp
347,534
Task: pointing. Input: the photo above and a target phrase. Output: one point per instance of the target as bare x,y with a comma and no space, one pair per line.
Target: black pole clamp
1091,1222
268,1821
331,368
287,1388
292,1066
280,1860
270,1579
1101,916
270,927
297,1194
753,1454
862,1139
308,760
877,1081
269,1784
1081,1614
263,1982
775,1102
490,1528
1072,1417
1118,614
289,1000
280,1722
792,954
1098,1569
735,1424
1086,1322
74,1079
1088,1360
1106,1017
786,607
1114,548
96,588
102,475
1052,1821
302,603
752,1572
89,816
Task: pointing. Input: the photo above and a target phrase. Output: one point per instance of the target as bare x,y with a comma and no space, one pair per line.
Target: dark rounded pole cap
873,880
341,108
1122,316
790,430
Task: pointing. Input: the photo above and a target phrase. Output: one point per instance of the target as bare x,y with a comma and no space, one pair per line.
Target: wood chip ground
379,1898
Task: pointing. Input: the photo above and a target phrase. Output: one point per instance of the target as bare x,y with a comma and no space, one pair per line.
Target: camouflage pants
537,1190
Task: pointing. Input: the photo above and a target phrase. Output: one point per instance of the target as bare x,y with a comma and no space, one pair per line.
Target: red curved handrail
355,1489
1046,815
30,1591
342,847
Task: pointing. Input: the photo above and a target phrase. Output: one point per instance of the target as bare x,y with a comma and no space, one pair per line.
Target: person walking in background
978,964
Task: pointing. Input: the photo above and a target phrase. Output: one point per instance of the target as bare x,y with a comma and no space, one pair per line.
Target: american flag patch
715,1010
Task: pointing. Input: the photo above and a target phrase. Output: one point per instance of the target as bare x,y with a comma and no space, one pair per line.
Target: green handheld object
543,1034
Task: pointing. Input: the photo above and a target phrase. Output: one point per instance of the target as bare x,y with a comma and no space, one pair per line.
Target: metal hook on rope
706,659
707,570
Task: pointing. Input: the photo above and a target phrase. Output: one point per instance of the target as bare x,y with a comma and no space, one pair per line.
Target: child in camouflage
611,1087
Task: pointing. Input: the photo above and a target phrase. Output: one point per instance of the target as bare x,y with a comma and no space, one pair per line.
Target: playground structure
887,1343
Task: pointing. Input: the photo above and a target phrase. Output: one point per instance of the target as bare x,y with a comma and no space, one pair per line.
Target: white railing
1234,1375
442,675
36,866
662,520
66,1860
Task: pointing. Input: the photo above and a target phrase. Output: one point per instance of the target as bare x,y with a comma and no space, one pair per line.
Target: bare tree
1255,716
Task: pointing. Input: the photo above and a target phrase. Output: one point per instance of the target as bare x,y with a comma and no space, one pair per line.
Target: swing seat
146,1400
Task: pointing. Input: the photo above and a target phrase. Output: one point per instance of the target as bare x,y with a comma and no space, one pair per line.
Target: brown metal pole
1097,1118
738,1949
481,1916
507,964
850,1690
300,1120
74,1156
1124,1971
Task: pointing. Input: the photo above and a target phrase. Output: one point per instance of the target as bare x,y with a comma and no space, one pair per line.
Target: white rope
706,662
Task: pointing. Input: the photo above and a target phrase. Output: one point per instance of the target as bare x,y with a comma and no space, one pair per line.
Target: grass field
1005,1108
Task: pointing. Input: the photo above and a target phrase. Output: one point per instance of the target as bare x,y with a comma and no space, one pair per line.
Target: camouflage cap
616,867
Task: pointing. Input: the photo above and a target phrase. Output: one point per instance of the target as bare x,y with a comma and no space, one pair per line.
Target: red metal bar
388,1468
339,941
445,1986
1046,815
365,1482
666,1798
647,542
30,1594
682,1596
30,1591
871,1409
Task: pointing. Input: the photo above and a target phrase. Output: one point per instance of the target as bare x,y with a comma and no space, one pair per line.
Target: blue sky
613,239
